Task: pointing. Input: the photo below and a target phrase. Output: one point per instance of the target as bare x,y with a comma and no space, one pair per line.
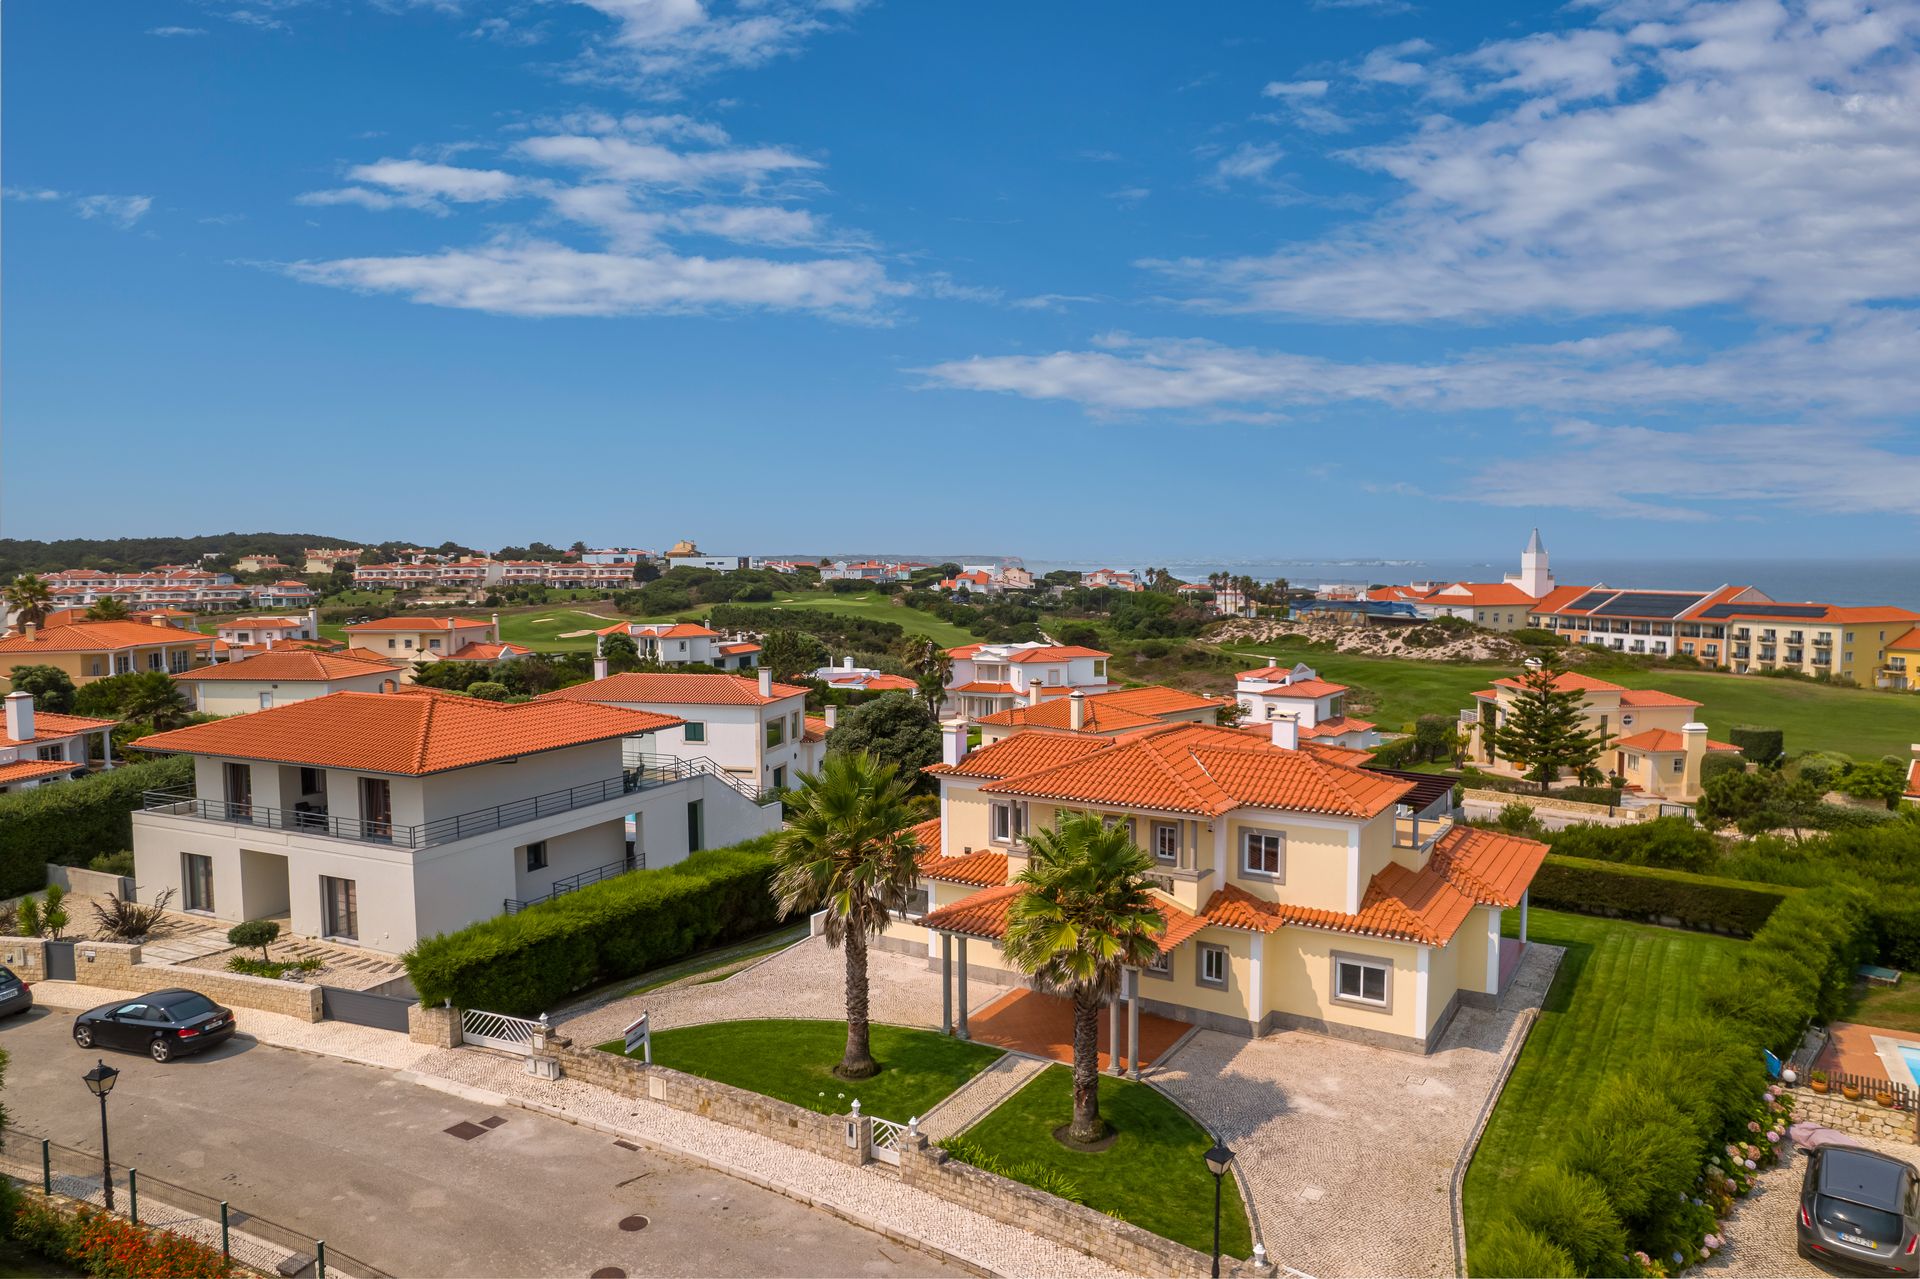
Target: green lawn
540,628
793,1061
1618,984
870,605
1890,1007
1854,721
1155,1175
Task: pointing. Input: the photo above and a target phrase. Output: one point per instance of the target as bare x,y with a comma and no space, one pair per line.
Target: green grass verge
541,628
727,957
793,1060
1155,1175
869,605
1618,986
1889,1007
1859,722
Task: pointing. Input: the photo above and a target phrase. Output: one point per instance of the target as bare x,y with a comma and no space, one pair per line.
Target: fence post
46,1166
133,1194
226,1249
320,1258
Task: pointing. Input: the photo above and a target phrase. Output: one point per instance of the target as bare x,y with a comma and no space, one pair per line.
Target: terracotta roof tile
984,868
1906,643
1099,715
982,686
1022,753
1157,699
1313,688
816,729
289,665
91,637
1055,653
637,687
1653,697
411,732
1567,681
28,769
1494,868
1664,739
414,624
1338,726
487,651
984,914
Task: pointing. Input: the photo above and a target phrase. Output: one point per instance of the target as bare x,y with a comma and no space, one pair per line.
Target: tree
849,847
621,652
1545,731
1085,916
28,598
52,688
153,699
894,726
254,932
488,690
108,610
1757,802
1879,780
791,654
932,666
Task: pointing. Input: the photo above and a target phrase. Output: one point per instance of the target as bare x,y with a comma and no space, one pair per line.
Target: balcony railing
574,883
653,771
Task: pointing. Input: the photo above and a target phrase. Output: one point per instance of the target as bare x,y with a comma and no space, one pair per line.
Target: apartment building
755,730
170,588
1296,893
1113,579
38,748
1316,707
875,571
988,678
317,560
481,574
88,651
1900,660
279,676
241,636
378,819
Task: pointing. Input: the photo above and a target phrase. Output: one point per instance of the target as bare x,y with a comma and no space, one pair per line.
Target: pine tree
1545,729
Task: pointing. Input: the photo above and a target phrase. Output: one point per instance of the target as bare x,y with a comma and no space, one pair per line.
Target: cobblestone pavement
1759,1230
1323,1128
805,980
978,1095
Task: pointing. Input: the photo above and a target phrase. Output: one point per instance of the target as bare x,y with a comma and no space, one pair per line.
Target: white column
1493,951
1523,915
1256,972
962,982
1353,871
946,983
1113,1028
1133,1021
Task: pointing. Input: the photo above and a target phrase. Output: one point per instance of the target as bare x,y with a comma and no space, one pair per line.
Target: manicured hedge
70,823
1761,745
527,963
1649,893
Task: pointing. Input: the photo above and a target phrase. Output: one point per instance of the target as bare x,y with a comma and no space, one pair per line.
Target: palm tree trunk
858,1062
1087,1125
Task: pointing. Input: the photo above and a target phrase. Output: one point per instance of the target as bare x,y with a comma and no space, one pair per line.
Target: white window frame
1205,956
1166,856
1247,840
1161,965
1006,822
1364,963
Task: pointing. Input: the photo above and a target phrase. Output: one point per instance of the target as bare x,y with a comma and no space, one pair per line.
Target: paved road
354,1155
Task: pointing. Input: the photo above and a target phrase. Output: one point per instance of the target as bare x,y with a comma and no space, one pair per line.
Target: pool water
1910,1054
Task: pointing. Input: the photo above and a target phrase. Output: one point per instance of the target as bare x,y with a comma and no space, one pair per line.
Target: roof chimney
766,681
1033,693
832,714
1286,731
496,628
20,716
953,741
32,630
159,619
313,623
846,663
599,667
1076,710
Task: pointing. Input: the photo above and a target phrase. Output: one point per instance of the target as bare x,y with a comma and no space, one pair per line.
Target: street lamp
100,1081
1219,1159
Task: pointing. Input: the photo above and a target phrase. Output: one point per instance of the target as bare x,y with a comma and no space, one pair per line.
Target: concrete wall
117,966
242,696
92,883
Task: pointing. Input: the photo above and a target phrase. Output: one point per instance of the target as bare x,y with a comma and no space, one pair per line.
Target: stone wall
437,1026
89,883
117,966
784,1122
1863,1118
1563,807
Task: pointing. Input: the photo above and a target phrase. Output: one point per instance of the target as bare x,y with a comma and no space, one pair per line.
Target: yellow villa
88,651
1298,891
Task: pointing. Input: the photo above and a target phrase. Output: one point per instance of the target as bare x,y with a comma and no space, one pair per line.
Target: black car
163,1025
15,995
1860,1211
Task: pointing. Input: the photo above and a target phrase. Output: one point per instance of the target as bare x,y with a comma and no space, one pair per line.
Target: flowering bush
108,1247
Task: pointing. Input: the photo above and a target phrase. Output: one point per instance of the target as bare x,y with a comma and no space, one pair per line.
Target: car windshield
6,976
1851,1218
187,1007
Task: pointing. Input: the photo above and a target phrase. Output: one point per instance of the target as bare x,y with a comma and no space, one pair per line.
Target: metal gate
364,1008
886,1139
59,960
497,1030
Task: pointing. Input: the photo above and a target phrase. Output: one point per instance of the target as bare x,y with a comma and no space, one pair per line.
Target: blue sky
1131,282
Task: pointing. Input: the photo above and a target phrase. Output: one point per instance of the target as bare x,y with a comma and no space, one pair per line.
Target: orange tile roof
1908,642
964,651
816,729
1098,716
1653,697
984,868
659,630
1055,653
981,686
1022,753
1665,739
1479,594
412,732
414,624
1913,780
1313,688
95,637
680,690
1338,726
926,834
51,726
1197,768
290,665
1568,680
875,683
488,651
984,914
1492,867
734,650
1345,755
28,769
1158,699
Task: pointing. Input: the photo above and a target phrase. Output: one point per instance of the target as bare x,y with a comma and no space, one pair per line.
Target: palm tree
28,599
108,609
153,699
1086,915
931,665
849,847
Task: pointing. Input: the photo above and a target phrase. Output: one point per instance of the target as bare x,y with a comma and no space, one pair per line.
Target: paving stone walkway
973,1099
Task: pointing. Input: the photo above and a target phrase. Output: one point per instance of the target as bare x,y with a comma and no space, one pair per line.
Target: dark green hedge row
1798,968
70,823
527,963
1650,893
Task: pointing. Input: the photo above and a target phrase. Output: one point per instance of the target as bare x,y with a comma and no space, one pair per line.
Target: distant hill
25,555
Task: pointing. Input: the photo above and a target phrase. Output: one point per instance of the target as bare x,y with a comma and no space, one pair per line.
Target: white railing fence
497,1030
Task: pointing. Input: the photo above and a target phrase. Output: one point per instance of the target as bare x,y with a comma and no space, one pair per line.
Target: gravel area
973,1099
867,1195
1321,1125
1759,1230
805,980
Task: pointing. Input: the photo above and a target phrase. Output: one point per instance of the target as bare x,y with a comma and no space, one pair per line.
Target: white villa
680,644
989,678
39,747
279,676
1316,706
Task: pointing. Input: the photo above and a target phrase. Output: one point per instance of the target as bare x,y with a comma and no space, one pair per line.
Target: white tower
1535,578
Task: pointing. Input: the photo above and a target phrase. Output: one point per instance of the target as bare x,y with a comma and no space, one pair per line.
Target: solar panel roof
1767,610
1646,604
1590,599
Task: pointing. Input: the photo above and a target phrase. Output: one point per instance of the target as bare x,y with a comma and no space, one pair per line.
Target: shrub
254,932
488,690
1645,892
273,968
1823,768
120,863
125,920
74,822
1717,762
1671,843
1518,819
1508,1250
1798,967
108,1247
1637,1144
1763,746
526,963
1572,1209
1535,637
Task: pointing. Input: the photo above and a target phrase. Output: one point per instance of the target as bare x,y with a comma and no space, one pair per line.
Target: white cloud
502,31
1295,89
437,181
1129,195
1248,162
540,278
379,201
250,18
36,194
121,210
176,31
649,163
656,46
753,224
1741,153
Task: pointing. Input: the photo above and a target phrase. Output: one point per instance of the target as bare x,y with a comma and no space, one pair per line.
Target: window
1213,966
694,827
1679,765
376,808
1166,841
433,643
537,855
196,877
238,780
696,731
408,643
1265,853
1161,965
1361,981
1006,823
340,903
156,660
780,778
266,701
776,731
393,643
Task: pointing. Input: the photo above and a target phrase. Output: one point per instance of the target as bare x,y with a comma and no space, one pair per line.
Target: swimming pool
1909,1055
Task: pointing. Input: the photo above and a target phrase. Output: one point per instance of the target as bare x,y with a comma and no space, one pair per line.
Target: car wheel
161,1049
83,1035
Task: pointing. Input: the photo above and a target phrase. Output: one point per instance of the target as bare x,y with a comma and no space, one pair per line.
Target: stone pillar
946,982
437,1026
961,979
1523,915
1114,1062
1133,1021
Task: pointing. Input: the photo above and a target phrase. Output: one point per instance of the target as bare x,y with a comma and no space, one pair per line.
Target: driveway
1348,1151
1759,1230
358,1156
